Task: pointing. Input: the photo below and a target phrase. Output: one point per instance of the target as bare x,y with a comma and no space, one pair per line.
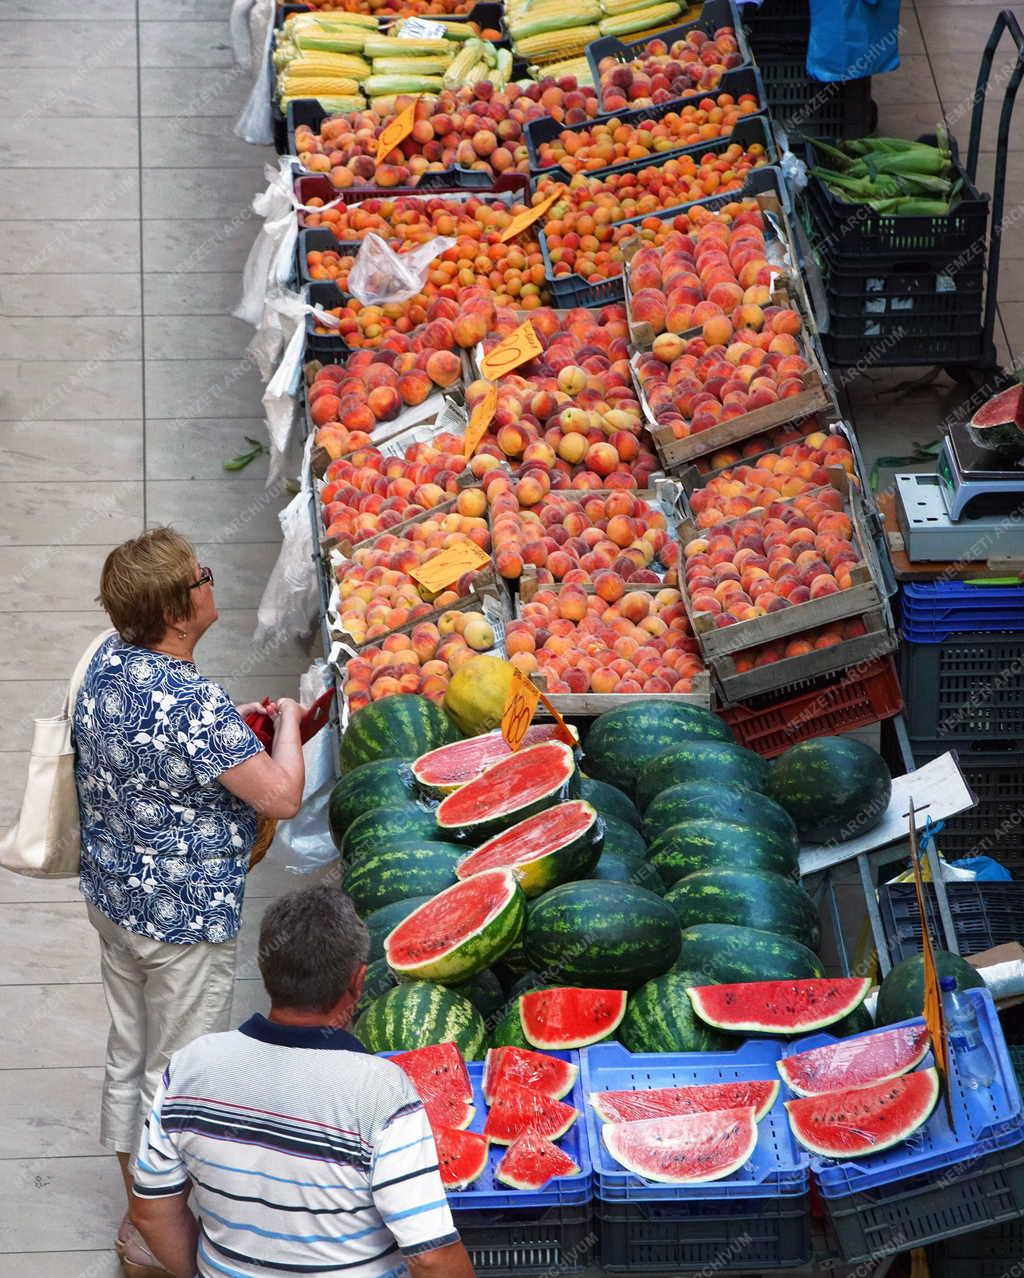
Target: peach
823,584
717,330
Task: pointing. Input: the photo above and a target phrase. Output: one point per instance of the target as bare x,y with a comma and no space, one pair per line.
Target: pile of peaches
800,645
776,438
784,554
613,640
662,71
419,324
415,219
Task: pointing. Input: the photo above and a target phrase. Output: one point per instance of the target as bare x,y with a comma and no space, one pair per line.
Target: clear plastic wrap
271,260
291,599
255,123
380,275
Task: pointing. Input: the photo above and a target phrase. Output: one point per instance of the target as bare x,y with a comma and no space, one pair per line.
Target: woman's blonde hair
147,580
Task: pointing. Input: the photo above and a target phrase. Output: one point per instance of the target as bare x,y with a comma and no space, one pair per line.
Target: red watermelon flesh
451,920
531,1161
536,837
450,766
507,789
517,1109
662,1102
864,1120
684,1148
441,1080
855,1062
779,1007
1001,409
461,1156
568,1017
542,1073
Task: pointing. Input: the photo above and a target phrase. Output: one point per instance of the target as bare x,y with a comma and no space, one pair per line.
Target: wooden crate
691,478
588,705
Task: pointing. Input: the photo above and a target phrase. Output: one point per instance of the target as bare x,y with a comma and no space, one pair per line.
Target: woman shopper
171,784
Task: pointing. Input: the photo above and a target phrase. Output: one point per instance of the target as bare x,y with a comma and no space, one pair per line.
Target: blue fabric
985,869
322,1037
165,847
853,38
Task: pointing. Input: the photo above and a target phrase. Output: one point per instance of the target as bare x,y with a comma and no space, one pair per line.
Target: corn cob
557,44
318,86
468,56
331,21
337,42
578,67
456,30
381,85
410,66
639,20
613,8
324,64
547,17
502,69
392,46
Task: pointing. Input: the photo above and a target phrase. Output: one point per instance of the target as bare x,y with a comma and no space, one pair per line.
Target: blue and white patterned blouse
165,846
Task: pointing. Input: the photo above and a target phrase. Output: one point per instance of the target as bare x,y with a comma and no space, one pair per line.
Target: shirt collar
309,1036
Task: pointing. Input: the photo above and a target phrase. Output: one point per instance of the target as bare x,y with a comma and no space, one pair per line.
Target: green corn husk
380,86
907,206
503,69
394,47
922,159
468,56
410,66
884,146
342,42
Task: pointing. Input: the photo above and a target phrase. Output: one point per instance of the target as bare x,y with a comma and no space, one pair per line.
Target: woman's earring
182,634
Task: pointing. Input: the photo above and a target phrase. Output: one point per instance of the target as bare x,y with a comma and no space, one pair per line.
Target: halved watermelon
778,1007
541,1073
864,1120
684,1148
460,931
856,1062
517,1109
663,1102
443,770
442,1083
567,1017
508,791
461,1156
548,848
531,1161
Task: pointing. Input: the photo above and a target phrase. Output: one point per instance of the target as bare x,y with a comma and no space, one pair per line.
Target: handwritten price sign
516,349
395,133
520,706
479,419
449,565
523,221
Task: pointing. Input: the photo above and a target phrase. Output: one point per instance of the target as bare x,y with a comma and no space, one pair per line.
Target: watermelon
611,869
623,841
485,993
380,922
378,980
509,791
855,1062
546,1074
399,727
409,868
561,1018
441,1080
443,770
859,1021
832,787
660,1018
684,1149
718,761
901,994
620,743
548,848
724,953
602,935
461,1156
662,1102
864,1120
382,783
508,1029
746,898
998,425
778,1007
610,800
378,829
690,799
704,843
531,1161
460,931
516,1109
417,1014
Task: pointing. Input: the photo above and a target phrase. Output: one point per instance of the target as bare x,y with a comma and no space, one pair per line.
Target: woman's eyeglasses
205,575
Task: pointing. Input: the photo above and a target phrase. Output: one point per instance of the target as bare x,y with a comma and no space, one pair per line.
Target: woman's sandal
137,1260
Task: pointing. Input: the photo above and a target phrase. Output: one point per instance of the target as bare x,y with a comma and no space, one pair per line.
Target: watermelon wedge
531,1161
684,1148
567,1017
663,1102
551,847
441,1080
460,931
855,1062
461,1156
507,792
864,1120
443,770
517,1109
778,1007
541,1073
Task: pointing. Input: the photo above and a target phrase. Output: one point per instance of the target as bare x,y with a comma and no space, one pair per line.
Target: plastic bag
853,38
381,275
983,869
283,312
255,123
271,259
291,599
248,22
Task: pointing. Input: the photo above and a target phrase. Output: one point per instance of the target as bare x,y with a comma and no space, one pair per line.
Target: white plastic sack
291,599
255,123
247,22
271,257
380,275
283,311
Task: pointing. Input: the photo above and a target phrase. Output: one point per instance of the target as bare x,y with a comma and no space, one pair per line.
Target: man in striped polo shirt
305,1154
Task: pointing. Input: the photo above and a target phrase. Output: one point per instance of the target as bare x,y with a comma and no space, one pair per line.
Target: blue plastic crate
932,611
778,1166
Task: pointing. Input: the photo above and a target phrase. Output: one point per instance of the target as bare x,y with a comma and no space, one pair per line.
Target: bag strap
78,676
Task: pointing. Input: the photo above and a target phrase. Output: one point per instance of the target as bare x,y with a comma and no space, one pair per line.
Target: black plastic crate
512,1241
968,688
977,1255
984,915
835,109
324,293
778,25
893,349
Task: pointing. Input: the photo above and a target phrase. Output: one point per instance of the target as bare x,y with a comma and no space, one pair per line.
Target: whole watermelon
379,784
726,954
689,800
418,1014
704,843
379,979
901,994
623,841
614,869
609,800
400,727
619,744
377,830
747,898
484,992
692,760
856,1022
381,921
834,788
660,1018
418,867
508,1028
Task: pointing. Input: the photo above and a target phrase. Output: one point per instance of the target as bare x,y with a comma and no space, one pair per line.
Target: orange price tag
522,221
394,133
934,1013
520,705
516,349
562,730
448,565
479,420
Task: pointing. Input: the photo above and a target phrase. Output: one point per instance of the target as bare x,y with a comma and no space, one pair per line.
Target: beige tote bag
44,843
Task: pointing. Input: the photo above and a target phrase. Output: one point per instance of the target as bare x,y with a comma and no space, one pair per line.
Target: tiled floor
123,388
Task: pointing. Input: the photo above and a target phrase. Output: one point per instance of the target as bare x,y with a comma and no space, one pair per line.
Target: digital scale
970,508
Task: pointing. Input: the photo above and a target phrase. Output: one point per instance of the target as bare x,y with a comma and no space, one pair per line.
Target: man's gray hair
312,942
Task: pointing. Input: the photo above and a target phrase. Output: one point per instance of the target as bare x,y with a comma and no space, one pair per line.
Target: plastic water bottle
973,1059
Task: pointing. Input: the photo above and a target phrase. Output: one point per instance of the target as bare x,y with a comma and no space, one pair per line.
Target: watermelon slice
461,1156
684,1148
531,1161
517,1109
460,931
779,1007
864,1120
443,770
508,791
999,423
551,847
441,1080
855,1062
541,1073
566,1017
663,1102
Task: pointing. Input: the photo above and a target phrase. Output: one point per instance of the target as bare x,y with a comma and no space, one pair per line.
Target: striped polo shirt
306,1155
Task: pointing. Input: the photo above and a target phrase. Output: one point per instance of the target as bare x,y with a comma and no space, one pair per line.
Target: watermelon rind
377,829
687,800
703,843
547,1074
778,1007
901,994
700,759
469,953
610,801
832,787
638,1146
419,1013
378,980
612,869
407,868
662,1102
559,858
382,783
620,742
508,1029
604,1008
381,921
623,840
461,1156
532,1161
660,1018
515,1110
855,1062
497,791
441,771
724,953
484,991
856,1114
399,727
747,898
